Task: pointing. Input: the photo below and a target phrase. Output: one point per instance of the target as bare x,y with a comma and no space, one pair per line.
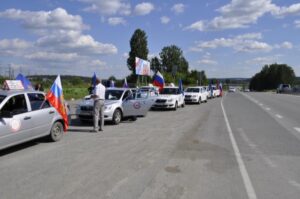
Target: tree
139,48
156,65
271,76
172,56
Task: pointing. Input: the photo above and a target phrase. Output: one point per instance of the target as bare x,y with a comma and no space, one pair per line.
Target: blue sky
226,38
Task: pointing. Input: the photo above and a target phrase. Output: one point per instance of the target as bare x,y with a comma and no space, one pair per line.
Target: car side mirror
6,114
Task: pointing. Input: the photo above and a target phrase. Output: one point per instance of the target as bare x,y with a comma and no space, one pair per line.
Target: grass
76,93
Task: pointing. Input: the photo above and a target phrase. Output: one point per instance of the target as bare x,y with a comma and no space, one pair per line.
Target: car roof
15,92
171,87
119,89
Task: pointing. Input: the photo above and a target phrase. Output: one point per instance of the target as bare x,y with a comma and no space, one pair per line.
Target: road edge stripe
246,179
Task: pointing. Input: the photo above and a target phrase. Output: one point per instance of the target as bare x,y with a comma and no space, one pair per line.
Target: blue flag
180,86
26,83
94,78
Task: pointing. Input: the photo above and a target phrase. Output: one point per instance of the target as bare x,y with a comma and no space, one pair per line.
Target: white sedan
169,98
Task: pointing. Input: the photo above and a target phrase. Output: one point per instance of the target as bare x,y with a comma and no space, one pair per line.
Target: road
244,145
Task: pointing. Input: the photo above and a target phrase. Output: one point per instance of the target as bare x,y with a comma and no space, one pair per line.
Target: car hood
190,93
90,102
166,96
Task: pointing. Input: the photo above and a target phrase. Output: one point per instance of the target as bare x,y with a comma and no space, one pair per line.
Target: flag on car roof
26,83
125,85
158,80
56,99
112,84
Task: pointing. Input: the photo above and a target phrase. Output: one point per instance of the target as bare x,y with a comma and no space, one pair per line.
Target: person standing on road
99,97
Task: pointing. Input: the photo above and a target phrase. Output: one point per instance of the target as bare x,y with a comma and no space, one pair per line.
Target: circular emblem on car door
137,105
15,125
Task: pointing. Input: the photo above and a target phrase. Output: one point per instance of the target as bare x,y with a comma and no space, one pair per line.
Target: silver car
25,115
120,103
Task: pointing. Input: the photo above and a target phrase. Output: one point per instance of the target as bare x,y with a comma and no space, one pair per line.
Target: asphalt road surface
244,145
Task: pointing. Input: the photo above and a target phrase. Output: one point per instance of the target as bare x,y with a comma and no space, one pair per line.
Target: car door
41,112
132,106
15,121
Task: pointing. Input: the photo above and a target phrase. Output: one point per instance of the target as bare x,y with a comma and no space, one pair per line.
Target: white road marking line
246,179
297,129
267,160
260,104
279,116
267,108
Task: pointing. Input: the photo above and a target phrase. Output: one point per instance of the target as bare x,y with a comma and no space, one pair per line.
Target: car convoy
26,114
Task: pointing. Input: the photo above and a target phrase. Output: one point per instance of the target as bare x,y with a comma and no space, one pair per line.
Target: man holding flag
56,99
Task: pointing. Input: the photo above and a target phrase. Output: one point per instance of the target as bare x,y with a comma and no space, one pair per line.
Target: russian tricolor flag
56,99
158,80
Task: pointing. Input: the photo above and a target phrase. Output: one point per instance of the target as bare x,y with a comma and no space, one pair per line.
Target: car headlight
170,100
107,107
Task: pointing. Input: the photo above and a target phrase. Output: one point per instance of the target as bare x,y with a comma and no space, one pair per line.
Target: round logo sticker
137,105
15,125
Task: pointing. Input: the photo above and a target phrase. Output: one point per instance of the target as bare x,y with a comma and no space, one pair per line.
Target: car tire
176,106
199,101
117,117
183,104
56,132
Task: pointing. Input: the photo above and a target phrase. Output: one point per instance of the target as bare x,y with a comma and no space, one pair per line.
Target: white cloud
199,25
178,8
59,31
240,43
42,21
14,44
287,45
293,9
264,60
297,23
60,43
54,57
164,20
14,47
143,8
242,13
207,62
116,21
108,7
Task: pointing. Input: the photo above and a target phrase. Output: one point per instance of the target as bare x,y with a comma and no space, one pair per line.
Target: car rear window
2,97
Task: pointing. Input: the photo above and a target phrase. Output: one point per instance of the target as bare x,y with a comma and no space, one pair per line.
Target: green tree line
271,76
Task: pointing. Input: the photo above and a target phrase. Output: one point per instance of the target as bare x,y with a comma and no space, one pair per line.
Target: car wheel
56,132
117,116
176,106
183,104
199,101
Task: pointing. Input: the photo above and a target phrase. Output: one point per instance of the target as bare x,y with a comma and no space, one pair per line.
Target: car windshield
2,97
113,94
285,86
169,91
192,90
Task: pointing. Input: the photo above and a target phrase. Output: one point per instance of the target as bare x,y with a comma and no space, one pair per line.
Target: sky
226,38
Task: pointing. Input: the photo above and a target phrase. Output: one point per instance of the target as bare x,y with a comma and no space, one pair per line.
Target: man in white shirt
99,97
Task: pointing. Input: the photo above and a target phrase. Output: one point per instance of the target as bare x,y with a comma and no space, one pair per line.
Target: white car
120,103
216,92
169,98
195,95
232,89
